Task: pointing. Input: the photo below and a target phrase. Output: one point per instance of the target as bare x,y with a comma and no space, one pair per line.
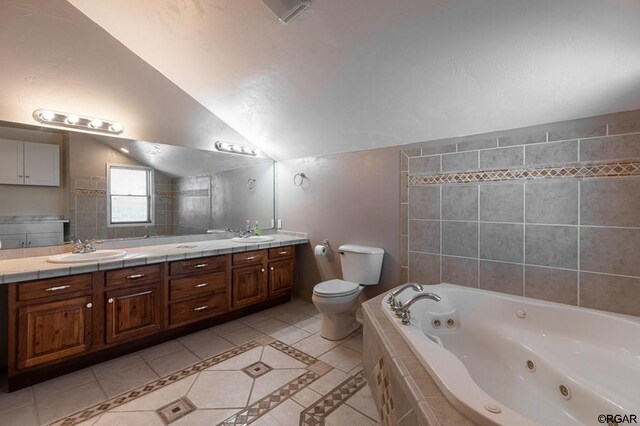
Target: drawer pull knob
250,258
135,276
89,305
201,308
110,300
283,252
272,268
201,265
129,296
202,285
60,287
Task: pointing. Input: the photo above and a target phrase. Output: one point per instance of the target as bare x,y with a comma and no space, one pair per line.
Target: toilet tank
361,264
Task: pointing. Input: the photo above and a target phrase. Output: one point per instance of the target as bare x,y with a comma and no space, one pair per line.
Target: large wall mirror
57,186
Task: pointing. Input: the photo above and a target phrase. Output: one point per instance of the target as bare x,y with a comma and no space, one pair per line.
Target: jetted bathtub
510,360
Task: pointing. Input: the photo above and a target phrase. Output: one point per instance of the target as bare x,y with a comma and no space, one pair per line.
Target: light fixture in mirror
75,121
236,149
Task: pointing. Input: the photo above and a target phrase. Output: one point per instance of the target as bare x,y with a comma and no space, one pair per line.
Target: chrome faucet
392,299
87,247
403,311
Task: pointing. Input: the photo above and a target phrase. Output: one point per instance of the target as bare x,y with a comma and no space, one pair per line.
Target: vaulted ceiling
347,75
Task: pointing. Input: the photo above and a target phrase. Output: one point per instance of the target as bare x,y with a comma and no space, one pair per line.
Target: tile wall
550,212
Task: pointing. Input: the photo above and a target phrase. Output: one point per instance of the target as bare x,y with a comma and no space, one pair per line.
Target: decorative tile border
293,352
316,413
90,192
126,397
582,171
384,396
271,401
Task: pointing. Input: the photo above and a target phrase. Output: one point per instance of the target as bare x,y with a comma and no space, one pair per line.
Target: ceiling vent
286,10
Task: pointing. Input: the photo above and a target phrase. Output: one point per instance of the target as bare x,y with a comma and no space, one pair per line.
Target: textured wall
347,198
473,213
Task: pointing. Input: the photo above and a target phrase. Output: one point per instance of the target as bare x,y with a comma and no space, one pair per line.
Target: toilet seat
336,288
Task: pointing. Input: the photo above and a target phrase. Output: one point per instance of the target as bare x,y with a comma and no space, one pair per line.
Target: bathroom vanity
98,311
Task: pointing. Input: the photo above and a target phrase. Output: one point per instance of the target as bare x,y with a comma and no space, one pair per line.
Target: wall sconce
236,149
75,121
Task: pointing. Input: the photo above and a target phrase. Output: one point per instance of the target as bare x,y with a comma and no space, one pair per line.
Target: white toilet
336,299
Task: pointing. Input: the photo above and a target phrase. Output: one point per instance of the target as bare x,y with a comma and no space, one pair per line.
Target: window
129,199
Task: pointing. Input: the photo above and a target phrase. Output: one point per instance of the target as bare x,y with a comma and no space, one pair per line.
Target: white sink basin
252,239
96,256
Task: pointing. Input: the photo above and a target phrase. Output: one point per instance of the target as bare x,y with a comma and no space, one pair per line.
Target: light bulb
125,150
47,115
116,127
95,123
72,119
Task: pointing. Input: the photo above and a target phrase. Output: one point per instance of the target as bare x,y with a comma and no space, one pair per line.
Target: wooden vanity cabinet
197,289
56,322
132,303
249,282
49,320
282,269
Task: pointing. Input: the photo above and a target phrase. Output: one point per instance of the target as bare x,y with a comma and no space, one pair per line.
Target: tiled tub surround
269,368
31,268
550,212
404,392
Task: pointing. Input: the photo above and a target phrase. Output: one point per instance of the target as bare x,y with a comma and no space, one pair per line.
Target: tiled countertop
31,268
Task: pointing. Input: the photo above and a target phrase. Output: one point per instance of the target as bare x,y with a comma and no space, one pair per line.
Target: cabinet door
132,312
52,331
41,164
13,241
249,285
281,277
11,162
43,239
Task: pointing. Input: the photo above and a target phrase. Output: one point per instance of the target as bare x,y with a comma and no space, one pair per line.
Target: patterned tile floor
269,368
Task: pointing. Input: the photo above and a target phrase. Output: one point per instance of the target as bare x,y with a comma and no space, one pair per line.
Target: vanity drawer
203,264
249,257
281,252
53,287
138,275
202,307
195,286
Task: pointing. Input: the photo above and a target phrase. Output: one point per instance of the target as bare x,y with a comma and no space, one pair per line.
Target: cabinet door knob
272,268
262,269
110,300
89,305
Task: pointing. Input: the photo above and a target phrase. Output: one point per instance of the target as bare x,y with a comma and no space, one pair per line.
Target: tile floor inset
207,369
256,370
175,410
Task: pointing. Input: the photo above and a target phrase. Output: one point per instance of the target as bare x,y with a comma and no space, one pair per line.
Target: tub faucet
393,302
403,311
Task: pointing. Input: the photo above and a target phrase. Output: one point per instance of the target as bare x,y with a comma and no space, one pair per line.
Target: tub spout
403,311
393,302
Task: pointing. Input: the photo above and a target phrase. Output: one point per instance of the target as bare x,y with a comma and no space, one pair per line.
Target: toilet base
338,326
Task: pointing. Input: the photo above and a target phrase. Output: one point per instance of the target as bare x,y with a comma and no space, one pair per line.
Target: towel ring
251,183
300,181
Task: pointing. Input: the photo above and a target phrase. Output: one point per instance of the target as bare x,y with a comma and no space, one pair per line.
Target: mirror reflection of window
130,191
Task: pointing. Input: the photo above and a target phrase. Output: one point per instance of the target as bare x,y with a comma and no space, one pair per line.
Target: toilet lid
336,288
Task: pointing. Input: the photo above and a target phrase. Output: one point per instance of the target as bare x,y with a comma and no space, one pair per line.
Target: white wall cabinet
37,234
29,163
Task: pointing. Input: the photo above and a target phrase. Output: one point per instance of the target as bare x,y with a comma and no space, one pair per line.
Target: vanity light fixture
236,149
75,121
